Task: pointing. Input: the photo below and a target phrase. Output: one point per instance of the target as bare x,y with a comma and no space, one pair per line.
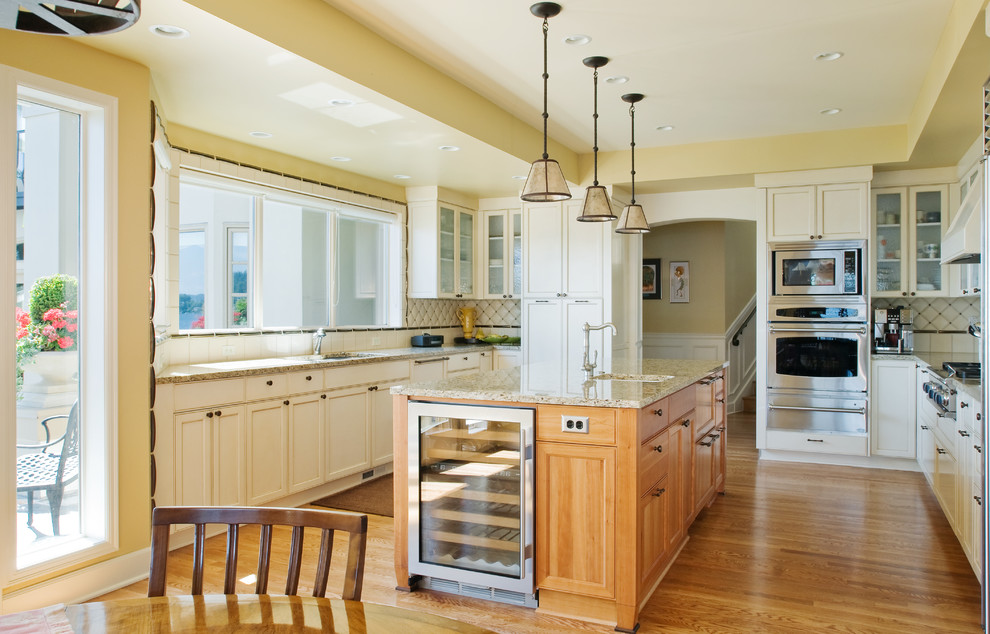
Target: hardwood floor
789,548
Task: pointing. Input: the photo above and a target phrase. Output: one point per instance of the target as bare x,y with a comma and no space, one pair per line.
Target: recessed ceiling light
167,30
449,148
401,176
258,134
831,111
340,159
665,128
577,39
616,79
828,57
341,102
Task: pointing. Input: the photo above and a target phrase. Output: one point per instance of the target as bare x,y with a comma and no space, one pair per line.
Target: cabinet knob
978,448
209,414
309,378
720,400
912,293
659,492
811,237
658,449
965,292
819,237
904,293
963,404
219,413
979,416
323,395
269,382
685,422
976,290
558,294
925,427
285,402
658,412
373,388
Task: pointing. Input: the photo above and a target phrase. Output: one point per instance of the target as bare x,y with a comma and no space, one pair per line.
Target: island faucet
318,340
587,364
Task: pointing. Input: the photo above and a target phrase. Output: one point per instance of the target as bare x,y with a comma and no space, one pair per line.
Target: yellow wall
722,256
70,62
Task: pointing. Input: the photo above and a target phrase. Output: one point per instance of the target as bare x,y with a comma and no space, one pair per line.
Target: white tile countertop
253,367
632,384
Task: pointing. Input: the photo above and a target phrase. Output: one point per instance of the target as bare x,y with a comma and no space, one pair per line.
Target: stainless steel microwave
820,269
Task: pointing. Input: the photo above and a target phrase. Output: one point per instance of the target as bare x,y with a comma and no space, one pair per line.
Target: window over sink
253,257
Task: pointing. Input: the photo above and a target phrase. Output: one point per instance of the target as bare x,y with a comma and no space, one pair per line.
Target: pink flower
65,342
53,314
71,327
49,331
72,314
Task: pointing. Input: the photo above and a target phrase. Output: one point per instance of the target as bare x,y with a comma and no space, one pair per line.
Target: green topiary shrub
51,292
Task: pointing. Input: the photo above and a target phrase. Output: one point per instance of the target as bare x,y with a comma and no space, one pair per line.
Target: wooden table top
220,613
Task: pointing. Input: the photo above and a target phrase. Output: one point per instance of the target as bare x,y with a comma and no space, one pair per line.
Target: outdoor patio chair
48,471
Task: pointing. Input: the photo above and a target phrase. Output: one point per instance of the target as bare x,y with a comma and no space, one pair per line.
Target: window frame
98,211
334,209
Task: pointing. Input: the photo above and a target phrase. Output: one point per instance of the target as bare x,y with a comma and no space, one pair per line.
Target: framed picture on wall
651,278
680,282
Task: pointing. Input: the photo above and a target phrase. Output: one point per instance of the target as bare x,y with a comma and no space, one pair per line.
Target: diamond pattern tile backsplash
940,323
432,313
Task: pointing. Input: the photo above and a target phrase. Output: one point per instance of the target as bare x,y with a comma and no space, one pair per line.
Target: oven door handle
853,331
837,410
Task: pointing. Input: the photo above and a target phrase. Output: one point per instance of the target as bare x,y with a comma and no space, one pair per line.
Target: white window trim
335,208
98,266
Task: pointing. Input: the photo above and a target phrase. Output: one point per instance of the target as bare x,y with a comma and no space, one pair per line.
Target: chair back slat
230,566
295,561
264,559
199,548
356,525
323,565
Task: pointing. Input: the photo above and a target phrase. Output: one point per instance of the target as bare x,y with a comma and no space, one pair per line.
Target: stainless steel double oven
819,358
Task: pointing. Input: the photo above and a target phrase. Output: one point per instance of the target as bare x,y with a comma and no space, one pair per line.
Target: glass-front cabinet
456,252
503,254
908,225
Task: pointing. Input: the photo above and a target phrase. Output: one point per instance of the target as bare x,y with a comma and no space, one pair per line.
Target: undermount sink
331,356
641,378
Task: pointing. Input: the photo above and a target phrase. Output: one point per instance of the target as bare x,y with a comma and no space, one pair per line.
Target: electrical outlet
376,341
575,424
227,351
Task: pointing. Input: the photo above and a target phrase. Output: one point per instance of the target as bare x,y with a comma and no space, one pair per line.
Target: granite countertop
522,384
253,367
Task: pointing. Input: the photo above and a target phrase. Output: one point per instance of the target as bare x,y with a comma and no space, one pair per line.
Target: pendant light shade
633,218
546,181
597,206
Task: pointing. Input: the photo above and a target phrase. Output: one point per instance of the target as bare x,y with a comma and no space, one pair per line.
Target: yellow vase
467,316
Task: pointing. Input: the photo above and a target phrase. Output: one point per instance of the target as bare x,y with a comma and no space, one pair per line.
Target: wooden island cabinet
612,506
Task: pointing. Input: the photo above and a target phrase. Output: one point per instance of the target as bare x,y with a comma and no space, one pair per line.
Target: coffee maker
892,332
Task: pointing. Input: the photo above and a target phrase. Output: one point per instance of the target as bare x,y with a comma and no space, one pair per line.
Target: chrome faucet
587,364
318,340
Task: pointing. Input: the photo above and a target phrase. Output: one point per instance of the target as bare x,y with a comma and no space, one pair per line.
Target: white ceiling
714,69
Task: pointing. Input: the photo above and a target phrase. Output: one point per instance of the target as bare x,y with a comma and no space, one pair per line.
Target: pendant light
633,219
597,207
545,182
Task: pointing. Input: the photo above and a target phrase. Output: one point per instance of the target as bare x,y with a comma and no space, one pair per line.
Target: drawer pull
706,381
309,378
373,388
269,382
978,499
659,492
713,436
925,427
323,395
658,449
285,402
706,444
939,450
978,448
658,412
815,440
425,361
963,432
209,414
686,422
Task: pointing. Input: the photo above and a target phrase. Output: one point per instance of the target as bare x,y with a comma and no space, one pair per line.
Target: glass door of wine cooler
471,494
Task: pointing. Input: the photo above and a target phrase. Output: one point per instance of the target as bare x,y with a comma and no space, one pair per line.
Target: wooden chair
163,517
48,471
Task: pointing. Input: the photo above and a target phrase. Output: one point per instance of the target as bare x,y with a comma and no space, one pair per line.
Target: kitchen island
615,492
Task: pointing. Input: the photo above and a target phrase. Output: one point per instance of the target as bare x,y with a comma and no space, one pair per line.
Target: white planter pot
52,372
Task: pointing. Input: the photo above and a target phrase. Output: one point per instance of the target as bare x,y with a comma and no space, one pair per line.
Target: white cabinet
892,417
348,440
818,212
441,250
502,254
306,441
926,430
209,457
908,225
266,435
426,370
969,497
506,359
563,257
553,342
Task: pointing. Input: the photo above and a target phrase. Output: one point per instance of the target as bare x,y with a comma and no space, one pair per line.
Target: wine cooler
471,499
